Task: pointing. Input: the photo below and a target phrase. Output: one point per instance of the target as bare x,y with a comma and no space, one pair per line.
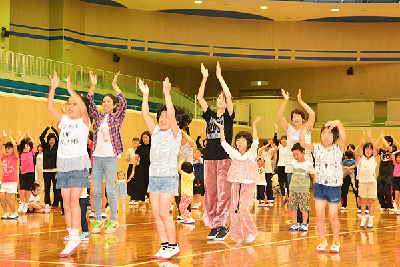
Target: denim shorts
332,194
163,185
72,179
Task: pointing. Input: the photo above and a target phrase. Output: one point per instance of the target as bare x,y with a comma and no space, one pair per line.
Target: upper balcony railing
27,65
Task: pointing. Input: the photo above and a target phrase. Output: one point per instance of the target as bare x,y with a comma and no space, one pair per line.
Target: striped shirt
114,123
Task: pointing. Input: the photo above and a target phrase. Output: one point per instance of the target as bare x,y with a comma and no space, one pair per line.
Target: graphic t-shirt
187,183
328,165
27,164
300,181
214,150
386,166
104,147
10,168
261,173
164,152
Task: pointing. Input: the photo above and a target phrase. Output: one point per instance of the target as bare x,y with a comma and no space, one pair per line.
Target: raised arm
15,147
342,132
170,107
123,104
54,82
311,113
225,88
276,136
35,141
2,142
145,106
188,138
78,100
303,143
92,105
282,119
385,143
200,95
375,147
255,135
180,164
360,146
221,130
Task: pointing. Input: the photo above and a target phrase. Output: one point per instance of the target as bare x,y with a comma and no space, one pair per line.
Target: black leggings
84,203
282,178
50,177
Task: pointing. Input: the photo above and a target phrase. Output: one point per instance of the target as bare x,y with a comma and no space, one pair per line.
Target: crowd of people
224,174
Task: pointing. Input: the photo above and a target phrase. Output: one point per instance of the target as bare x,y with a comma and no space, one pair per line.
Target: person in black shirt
385,177
217,195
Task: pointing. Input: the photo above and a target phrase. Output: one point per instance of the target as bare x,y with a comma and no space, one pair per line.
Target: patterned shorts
301,200
277,191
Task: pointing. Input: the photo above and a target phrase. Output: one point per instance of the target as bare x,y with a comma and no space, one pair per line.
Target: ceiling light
263,7
335,9
198,2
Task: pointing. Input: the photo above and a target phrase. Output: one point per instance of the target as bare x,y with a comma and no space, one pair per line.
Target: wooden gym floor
37,239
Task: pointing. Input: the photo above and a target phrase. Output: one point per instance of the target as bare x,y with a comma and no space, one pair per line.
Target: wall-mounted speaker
350,71
4,33
116,58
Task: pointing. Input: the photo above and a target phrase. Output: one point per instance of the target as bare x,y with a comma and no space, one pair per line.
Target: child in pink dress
243,175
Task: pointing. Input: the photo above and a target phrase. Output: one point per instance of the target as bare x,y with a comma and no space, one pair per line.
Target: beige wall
5,22
373,81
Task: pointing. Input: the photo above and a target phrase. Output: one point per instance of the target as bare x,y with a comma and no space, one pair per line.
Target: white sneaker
13,216
130,202
196,205
250,238
343,208
47,208
370,222
362,225
25,208
170,252
91,215
70,248
159,253
5,216
21,207
188,221
398,212
103,215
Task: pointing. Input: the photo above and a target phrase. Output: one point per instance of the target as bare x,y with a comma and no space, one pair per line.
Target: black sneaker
213,233
223,232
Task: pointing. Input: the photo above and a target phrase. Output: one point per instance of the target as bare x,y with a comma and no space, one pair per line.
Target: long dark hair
145,133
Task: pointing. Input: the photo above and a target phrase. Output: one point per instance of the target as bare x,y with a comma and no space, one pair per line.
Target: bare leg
371,204
294,215
333,217
320,214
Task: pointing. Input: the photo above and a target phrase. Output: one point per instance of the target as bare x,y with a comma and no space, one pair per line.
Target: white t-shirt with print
164,152
73,138
328,165
34,199
293,137
104,147
261,173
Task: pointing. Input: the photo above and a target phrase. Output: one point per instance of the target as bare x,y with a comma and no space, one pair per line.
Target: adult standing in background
130,158
140,169
50,148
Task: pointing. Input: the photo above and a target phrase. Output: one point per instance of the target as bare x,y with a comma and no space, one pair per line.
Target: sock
69,231
74,236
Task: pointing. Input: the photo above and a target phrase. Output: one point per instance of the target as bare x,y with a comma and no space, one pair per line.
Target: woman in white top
293,132
39,165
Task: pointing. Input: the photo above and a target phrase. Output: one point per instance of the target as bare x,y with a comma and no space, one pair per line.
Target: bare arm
145,106
188,138
15,147
200,95
282,119
255,135
385,143
81,105
35,141
2,142
221,130
180,165
303,141
342,132
115,85
360,146
170,107
54,82
375,147
135,161
225,88
311,118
